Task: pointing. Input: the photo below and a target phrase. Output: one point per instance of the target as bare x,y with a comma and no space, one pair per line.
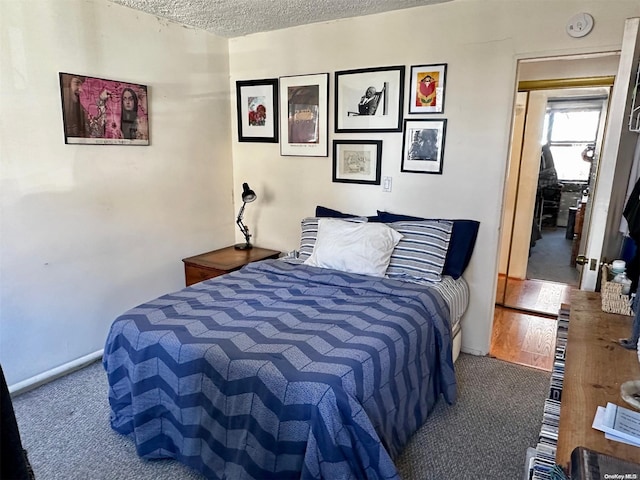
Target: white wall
573,67
481,41
90,231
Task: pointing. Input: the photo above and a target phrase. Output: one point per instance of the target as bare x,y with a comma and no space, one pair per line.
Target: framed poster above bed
257,109
304,115
427,84
369,100
357,161
423,146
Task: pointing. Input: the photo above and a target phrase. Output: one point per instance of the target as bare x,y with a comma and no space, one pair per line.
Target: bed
286,369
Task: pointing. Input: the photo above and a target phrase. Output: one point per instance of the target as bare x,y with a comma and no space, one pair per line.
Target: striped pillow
421,253
310,234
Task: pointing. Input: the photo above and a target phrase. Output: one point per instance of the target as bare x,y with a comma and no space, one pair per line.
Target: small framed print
257,104
423,146
304,115
427,88
357,161
369,100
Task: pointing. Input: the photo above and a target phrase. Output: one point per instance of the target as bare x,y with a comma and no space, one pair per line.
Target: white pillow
310,234
363,248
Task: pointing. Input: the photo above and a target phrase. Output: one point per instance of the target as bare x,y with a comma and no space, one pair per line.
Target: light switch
386,184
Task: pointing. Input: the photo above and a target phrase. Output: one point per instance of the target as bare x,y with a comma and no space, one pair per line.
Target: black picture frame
357,161
357,90
423,146
257,110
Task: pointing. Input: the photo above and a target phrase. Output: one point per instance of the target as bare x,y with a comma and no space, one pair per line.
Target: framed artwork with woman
97,111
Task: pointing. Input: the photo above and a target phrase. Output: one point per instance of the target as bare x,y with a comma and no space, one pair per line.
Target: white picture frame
304,115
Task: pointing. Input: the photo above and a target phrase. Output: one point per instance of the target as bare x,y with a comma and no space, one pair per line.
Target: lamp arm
243,228
240,213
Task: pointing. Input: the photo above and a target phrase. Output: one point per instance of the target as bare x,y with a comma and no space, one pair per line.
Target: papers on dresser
618,423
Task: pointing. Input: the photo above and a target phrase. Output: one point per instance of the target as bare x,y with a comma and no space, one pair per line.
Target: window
571,127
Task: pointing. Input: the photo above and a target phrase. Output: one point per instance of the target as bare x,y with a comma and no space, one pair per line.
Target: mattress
456,294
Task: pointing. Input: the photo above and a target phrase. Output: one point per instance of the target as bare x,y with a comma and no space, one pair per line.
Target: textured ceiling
235,18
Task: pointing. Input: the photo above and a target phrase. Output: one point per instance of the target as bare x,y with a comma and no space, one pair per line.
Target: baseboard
472,351
50,375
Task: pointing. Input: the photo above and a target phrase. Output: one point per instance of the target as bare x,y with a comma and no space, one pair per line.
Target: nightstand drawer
194,274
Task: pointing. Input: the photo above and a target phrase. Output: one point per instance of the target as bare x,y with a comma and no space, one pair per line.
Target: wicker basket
613,301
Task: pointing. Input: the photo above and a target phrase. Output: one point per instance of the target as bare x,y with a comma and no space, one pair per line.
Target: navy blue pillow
331,213
461,245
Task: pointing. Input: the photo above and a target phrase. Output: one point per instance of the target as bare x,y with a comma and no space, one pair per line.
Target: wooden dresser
218,262
595,368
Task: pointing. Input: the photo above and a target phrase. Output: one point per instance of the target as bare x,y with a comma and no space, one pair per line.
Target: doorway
573,127
557,132
529,336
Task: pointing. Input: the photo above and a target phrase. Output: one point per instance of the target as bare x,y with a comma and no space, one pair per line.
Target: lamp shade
248,195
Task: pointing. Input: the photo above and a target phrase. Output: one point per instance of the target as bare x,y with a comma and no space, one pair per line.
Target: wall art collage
294,111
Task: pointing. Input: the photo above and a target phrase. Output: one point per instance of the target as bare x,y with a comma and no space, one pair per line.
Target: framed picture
427,88
369,100
357,161
257,104
423,147
304,117
96,111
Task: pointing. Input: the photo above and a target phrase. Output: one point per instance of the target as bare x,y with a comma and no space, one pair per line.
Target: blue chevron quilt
281,371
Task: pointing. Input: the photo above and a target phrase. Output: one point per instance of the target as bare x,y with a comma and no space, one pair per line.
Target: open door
601,243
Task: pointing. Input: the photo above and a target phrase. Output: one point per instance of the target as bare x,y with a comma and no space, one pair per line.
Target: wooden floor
537,296
526,333
523,338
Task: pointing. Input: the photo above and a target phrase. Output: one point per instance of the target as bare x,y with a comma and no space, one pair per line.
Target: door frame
603,189
615,163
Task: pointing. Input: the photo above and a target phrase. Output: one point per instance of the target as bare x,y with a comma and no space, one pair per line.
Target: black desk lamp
248,196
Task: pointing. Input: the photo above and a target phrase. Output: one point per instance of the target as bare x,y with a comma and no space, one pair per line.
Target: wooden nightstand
212,264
